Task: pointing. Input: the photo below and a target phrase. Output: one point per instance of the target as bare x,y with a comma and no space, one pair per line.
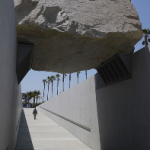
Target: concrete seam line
18,123
71,121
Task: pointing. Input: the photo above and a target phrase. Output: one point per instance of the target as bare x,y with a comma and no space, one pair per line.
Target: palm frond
143,43
145,31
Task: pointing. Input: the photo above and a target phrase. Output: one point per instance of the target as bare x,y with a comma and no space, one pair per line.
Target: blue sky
33,80
143,9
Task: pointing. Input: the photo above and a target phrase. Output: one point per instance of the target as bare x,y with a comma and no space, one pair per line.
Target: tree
37,96
37,99
63,79
69,79
34,94
146,33
48,82
44,82
86,73
24,96
29,96
52,81
58,78
78,76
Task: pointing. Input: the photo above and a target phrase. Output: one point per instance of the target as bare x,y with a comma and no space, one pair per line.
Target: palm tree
25,95
34,94
69,79
29,96
37,95
146,33
63,79
52,80
37,99
48,82
44,82
86,73
58,78
78,76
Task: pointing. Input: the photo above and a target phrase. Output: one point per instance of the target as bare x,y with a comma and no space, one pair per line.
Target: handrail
71,121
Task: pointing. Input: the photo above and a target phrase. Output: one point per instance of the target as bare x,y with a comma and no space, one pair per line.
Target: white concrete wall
118,115
77,104
10,94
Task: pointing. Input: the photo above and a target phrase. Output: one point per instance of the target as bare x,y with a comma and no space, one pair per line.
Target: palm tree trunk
86,73
69,79
57,85
69,83
34,100
63,82
77,77
43,95
43,92
146,43
48,87
48,91
52,89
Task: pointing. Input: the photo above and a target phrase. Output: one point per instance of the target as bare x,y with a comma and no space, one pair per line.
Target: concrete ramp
45,134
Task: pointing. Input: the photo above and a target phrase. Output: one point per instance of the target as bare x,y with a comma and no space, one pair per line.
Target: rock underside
75,35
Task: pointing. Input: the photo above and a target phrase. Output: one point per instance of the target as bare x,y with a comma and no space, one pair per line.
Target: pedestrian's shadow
24,141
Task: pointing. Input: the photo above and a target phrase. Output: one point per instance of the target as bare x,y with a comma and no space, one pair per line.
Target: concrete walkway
45,134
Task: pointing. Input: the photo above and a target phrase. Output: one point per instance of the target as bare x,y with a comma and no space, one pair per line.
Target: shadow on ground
24,141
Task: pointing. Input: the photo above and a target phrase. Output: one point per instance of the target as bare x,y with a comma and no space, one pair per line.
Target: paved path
45,134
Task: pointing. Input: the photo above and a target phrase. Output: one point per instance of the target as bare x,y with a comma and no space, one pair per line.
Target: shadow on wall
114,116
24,141
124,108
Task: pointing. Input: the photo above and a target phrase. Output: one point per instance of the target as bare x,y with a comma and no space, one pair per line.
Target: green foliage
65,75
31,94
44,80
57,75
52,78
143,43
146,33
48,79
58,78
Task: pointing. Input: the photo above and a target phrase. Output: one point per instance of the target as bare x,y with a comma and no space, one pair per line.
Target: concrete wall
118,115
124,108
76,110
10,93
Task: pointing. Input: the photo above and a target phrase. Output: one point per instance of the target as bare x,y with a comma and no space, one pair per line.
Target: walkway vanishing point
44,134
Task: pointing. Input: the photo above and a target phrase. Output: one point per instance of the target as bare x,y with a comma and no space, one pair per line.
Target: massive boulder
74,35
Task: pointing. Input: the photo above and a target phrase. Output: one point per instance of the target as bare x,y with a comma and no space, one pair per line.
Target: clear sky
33,80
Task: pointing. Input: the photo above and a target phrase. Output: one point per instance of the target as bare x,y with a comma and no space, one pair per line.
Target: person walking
35,113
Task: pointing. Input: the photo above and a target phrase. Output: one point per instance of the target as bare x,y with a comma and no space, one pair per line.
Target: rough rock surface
74,35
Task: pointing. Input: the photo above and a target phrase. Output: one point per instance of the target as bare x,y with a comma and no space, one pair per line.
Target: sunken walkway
44,134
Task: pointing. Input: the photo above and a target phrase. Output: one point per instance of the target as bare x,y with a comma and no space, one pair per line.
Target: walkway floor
44,134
